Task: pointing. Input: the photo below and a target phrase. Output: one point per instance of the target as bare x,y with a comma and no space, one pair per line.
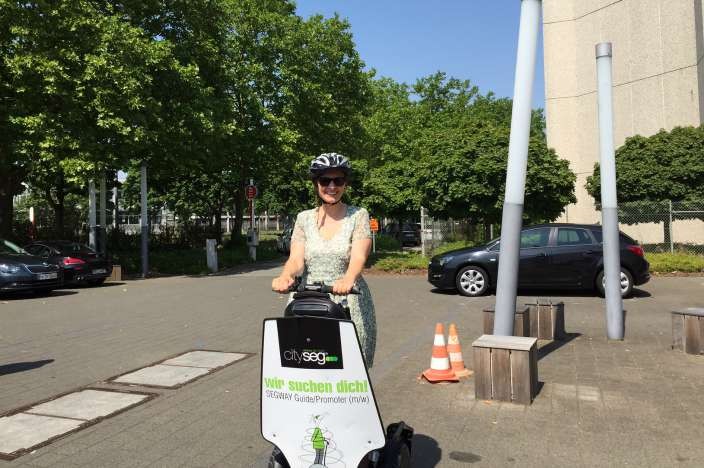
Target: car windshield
74,248
7,247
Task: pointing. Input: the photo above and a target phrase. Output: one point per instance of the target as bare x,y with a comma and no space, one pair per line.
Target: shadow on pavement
247,268
23,366
445,292
426,451
555,345
40,295
637,293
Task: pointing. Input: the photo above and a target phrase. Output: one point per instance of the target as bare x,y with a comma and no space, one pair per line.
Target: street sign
251,192
374,224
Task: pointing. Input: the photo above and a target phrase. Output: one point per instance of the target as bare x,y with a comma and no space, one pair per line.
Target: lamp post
512,215
609,207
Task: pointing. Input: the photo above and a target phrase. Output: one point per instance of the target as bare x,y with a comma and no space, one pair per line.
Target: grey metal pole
609,208
672,245
92,238
115,209
144,220
103,214
423,248
512,216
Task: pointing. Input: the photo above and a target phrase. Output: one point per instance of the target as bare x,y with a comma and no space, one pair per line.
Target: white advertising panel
317,402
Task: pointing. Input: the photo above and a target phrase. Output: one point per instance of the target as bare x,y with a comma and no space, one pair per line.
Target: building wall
658,76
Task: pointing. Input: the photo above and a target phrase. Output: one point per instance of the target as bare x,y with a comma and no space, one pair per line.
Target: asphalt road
635,402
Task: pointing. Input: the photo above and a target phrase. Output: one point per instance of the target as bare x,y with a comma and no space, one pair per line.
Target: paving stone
163,376
87,404
22,431
207,359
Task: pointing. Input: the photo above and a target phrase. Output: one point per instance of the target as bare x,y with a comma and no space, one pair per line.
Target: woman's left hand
342,286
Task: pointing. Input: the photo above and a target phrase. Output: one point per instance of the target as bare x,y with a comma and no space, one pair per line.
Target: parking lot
631,403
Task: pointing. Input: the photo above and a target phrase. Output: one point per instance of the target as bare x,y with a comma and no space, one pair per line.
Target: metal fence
438,232
665,226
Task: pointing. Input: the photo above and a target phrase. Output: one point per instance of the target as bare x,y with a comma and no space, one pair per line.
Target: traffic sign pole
252,238
374,226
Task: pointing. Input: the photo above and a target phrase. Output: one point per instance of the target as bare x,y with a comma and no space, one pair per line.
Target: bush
678,262
398,261
387,243
176,260
459,244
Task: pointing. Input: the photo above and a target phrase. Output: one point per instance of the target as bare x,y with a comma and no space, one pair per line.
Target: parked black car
409,234
20,271
80,263
553,256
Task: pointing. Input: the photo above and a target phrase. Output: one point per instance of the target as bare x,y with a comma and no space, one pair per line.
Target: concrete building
658,47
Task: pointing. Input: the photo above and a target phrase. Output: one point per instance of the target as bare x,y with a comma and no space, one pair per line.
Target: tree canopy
664,166
443,145
212,93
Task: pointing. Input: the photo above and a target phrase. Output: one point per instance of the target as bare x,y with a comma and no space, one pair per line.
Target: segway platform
317,403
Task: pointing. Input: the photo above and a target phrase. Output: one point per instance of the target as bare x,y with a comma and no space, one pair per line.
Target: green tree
653,171
664,166
13,165
444,145
94,93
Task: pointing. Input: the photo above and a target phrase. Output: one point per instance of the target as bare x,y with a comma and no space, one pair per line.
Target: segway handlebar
298,286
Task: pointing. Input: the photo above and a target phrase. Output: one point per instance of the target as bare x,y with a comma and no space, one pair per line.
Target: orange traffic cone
455,351
440,362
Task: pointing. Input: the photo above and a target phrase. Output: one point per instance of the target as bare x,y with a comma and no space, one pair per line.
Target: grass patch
189,261
387,243
677,262
400,261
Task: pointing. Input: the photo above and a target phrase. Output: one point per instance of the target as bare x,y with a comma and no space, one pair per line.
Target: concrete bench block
506,368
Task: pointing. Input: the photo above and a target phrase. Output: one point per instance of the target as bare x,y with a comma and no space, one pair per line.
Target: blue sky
407,39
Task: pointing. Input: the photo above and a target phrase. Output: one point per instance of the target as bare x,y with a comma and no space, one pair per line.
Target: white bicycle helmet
327,161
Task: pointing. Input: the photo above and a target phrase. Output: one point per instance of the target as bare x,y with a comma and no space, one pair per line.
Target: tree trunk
487,232
239,213
667,229
6,208
58,205
218,227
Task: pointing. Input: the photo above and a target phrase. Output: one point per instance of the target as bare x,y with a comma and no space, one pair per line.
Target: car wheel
626,283
96,282
472,281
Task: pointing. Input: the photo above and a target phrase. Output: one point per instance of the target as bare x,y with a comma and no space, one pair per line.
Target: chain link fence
436,233
665,226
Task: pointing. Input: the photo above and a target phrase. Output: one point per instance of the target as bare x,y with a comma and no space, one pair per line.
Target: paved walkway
635,403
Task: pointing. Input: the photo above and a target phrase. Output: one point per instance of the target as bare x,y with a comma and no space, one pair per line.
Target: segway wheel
277,459
404,457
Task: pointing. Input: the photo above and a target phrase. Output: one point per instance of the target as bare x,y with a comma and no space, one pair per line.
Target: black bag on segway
316,304
397,451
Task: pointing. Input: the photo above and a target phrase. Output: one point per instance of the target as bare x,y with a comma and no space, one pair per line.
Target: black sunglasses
338,181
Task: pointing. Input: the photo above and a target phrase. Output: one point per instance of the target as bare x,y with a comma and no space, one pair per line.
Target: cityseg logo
308,356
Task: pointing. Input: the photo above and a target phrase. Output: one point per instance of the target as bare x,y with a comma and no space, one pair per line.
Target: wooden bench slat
501,374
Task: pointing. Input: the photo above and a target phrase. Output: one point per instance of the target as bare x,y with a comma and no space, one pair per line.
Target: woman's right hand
282,284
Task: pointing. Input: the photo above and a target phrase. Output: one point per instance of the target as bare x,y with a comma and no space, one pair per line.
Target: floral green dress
327,260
